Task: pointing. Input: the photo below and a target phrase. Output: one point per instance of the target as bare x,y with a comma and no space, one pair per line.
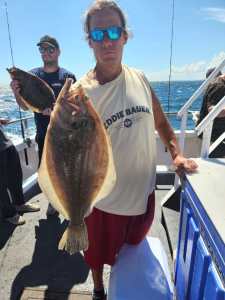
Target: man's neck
50,68
106,74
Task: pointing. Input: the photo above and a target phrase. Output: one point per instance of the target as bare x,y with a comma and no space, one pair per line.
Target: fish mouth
11,71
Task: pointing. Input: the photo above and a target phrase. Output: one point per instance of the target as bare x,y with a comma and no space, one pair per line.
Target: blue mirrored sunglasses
50,50
113,33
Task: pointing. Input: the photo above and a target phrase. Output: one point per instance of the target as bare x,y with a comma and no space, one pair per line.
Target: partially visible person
213,94
55,77
11,180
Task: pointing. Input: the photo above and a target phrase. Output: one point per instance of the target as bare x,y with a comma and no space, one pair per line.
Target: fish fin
29,106
74,239
64,90
46,184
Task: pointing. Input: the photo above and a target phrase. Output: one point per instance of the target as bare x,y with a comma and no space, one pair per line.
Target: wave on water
180,92
9,109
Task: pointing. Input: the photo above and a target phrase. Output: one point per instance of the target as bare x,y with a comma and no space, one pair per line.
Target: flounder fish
77,167
36,94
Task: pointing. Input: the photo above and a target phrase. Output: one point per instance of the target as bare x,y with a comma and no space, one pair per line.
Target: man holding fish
55,77
126,214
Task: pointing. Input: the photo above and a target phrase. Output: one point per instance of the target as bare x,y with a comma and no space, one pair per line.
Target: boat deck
31,267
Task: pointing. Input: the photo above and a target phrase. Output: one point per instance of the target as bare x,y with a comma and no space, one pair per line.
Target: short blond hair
99,5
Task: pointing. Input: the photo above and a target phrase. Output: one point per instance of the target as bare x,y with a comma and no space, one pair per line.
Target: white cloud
189,69
193,71
216,60
215,13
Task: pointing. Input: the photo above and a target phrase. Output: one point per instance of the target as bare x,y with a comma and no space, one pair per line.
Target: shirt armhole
147,83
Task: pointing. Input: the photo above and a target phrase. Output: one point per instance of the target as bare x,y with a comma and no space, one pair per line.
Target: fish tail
74,239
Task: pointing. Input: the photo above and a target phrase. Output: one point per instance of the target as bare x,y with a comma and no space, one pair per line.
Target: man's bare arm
168,137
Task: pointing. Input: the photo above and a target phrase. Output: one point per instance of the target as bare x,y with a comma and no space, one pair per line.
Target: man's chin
110,58
49,63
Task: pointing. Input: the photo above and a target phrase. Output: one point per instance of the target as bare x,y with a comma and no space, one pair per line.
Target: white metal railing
206,124
211,115
205,127
217,142
19,127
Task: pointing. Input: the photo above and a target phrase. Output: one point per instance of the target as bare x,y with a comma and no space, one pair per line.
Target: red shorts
108,232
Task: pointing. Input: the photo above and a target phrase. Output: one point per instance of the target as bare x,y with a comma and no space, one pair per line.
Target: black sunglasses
49,49
113,33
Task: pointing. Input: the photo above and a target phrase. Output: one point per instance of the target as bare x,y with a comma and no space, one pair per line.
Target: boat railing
25,119
28,124
183,112
174,113
24,131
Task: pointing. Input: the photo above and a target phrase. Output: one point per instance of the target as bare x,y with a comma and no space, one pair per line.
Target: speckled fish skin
35,92
77,167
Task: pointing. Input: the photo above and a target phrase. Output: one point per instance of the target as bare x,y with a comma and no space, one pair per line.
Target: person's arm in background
168,137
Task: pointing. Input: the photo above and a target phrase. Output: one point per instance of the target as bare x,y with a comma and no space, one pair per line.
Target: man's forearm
164,129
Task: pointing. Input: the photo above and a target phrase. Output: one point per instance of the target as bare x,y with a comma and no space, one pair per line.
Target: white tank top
125,106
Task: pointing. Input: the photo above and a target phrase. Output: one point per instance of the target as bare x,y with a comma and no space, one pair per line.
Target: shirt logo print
128,123
118,117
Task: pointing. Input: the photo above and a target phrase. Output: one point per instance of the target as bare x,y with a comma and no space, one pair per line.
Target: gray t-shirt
4,141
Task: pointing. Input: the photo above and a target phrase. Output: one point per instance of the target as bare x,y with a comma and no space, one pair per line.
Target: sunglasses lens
97,35
41,50
50,50
114,33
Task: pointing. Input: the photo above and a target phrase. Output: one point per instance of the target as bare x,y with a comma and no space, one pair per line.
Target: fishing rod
171,56
9,34
12,59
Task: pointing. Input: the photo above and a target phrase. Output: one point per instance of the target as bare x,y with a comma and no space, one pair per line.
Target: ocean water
180,92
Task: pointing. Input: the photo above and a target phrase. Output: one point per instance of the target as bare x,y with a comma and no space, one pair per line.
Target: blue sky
199,35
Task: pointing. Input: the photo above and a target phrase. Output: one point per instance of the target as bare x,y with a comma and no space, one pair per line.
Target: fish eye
78,124
82,123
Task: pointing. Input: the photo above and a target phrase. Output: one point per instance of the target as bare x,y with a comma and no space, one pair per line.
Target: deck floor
40,294
30,260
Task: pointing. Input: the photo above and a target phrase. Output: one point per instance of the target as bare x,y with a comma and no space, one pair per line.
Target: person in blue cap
55,76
